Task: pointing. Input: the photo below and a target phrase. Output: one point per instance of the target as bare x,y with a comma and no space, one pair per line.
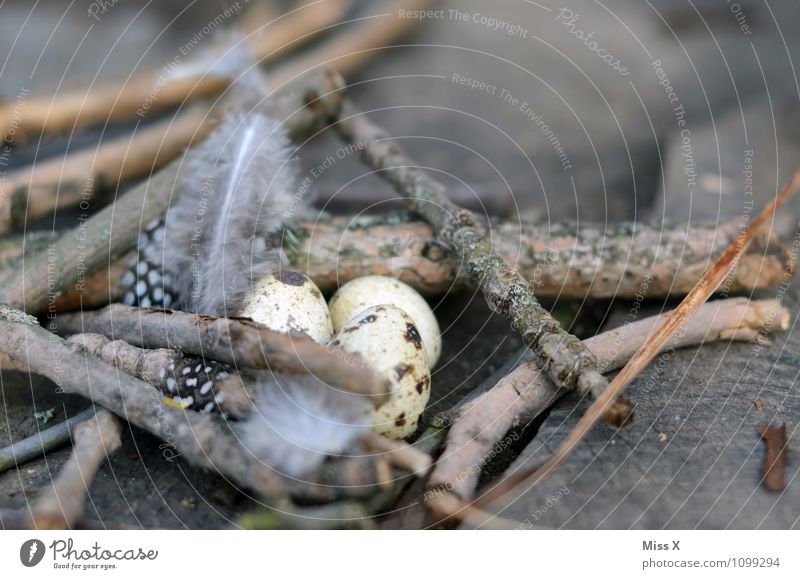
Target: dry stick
563,357
677,320
114,230
42,442
39,190
400,454
60,505
559,259
348,51
203,440
240,342
295,29
172,373
121,101
525,393
775,460
116,160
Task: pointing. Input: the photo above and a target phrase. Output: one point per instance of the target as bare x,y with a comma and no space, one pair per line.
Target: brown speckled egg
388,339
288,301
372,290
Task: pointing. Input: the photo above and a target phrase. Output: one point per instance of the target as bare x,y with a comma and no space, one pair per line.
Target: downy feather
298,421
238,189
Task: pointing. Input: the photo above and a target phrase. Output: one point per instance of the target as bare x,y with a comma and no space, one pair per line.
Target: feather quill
239,187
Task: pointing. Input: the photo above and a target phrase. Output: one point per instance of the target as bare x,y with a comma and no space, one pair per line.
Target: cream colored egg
288,301
387,338
372,290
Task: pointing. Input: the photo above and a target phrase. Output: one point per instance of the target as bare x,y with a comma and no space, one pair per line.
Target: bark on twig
42,442
525,393
239,342
104,237
623,261
202,440
191,382
775,459
562,356
60,505
616,260
671,325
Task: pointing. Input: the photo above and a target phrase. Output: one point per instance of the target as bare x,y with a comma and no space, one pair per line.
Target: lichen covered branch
562,356
203,440
239,342
525,393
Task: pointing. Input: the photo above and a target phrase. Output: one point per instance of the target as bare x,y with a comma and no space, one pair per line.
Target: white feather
297,422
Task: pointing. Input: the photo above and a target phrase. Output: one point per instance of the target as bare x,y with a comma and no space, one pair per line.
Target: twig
42,442
307,103
400,454
60,505
775,460
559,259
191,382
203,440
305,22
563,357
362,505
450,509
117,102
76,178
674,322
525,393
239,342
350,50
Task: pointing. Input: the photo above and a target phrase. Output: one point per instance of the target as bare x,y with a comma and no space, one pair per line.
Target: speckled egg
388,339
372,290
288,301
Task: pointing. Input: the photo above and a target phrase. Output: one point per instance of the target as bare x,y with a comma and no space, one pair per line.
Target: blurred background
730,65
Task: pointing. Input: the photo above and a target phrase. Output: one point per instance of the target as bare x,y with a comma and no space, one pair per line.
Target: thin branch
239,342
350,50
525,393
671,325
564,358
191,382
60,505
121,101
637,261
307,103
76,178
202,440
44,441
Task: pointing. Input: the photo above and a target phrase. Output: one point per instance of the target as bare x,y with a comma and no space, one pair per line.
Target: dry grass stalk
673,323
524,393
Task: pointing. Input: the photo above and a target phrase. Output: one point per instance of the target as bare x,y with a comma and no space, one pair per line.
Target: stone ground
693,458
